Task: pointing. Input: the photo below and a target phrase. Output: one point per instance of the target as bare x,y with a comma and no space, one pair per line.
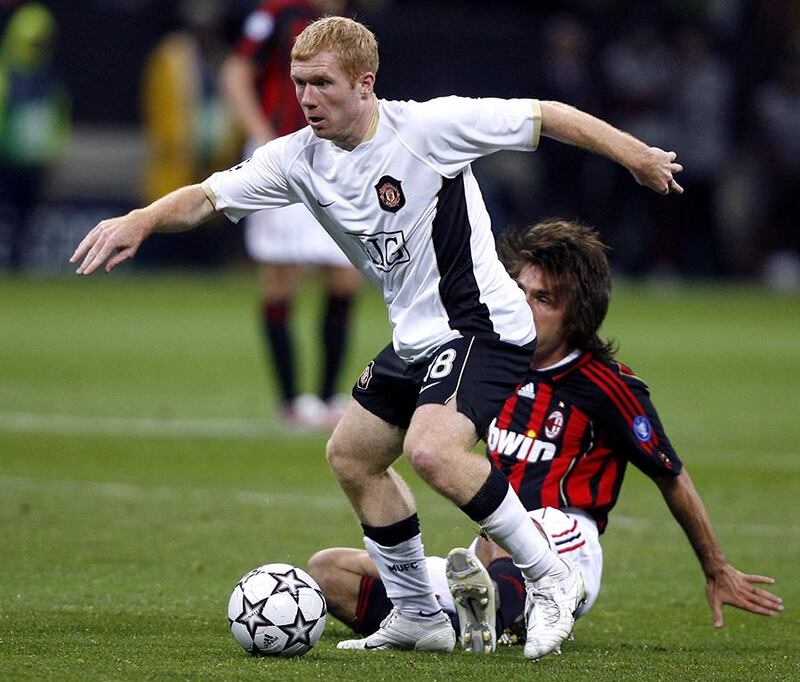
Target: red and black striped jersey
565,436
267,40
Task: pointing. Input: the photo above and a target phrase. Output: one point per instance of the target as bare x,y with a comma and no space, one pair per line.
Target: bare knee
279,281
342,461
436,459
427,461
362,445
323,566
487,551
438,445
338,572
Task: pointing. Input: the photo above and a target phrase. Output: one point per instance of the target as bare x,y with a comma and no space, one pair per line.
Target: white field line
266,499
638,525
258,429
146,427
144,494
330,502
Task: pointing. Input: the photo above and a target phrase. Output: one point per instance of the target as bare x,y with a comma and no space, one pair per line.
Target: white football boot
550,605
474,597
307,412
402,631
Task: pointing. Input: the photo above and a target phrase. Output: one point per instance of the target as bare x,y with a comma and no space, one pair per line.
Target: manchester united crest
366,376
390,194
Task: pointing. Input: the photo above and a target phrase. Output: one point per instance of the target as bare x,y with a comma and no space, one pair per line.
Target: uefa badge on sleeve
642,428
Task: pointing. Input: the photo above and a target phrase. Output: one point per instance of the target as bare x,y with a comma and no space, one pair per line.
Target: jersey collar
563,367
371,131
373,123
563,362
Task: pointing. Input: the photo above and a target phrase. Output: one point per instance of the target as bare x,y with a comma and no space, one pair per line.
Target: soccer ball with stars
277,610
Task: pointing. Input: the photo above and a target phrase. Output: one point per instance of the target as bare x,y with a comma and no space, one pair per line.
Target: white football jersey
406,209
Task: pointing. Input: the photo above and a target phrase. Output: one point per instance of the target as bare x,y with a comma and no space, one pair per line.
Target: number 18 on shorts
478,372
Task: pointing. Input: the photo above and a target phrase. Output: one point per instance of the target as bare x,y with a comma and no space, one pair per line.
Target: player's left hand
657,170
731,586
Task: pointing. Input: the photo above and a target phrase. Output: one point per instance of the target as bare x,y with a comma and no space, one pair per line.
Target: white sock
404,573
511,528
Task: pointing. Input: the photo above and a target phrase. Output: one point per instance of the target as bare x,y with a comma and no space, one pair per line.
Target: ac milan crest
390,194
552,427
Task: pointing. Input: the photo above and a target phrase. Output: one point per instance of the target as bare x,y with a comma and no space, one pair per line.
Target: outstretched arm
117,239
650,166
725,584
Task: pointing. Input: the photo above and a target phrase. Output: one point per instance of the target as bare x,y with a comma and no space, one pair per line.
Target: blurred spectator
258,86
189,131
639,72
34,121
566,77
777,110
688,241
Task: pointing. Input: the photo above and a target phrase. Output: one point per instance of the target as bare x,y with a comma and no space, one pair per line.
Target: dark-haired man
563,440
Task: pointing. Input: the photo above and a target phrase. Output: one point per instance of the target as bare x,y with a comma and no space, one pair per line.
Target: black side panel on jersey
451,244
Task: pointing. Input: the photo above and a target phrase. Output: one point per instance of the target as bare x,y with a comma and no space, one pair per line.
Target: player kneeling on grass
563,439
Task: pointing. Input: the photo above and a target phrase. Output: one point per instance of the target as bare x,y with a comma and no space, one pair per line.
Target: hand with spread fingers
111,242
731,586
657,170
725,584
115,240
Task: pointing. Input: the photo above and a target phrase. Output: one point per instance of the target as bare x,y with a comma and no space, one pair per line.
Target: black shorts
479,372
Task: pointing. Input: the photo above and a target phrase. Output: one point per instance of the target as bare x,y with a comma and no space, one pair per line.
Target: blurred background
89,128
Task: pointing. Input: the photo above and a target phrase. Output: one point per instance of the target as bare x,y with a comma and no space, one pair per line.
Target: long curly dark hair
573,259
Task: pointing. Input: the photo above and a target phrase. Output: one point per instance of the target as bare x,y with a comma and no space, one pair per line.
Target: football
277,610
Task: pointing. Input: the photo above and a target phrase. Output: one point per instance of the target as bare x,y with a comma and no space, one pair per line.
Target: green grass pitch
141,473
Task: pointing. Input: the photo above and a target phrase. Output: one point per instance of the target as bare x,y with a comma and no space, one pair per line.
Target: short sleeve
630,420
256,183
454,131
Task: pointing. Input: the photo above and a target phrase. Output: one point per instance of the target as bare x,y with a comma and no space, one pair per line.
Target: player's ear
366,84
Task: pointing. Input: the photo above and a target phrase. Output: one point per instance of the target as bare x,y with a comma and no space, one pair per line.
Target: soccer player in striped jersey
563,439
285,242
392,183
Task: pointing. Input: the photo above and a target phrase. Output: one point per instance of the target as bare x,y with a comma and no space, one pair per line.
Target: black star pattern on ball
298,632
252,616
288,582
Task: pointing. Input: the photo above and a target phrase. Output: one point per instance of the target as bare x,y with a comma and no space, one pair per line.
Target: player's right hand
730,586
111,242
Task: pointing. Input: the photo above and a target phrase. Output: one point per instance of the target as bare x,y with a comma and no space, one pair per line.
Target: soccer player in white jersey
391,182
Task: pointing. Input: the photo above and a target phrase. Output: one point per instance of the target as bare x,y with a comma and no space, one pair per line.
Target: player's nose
308,99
